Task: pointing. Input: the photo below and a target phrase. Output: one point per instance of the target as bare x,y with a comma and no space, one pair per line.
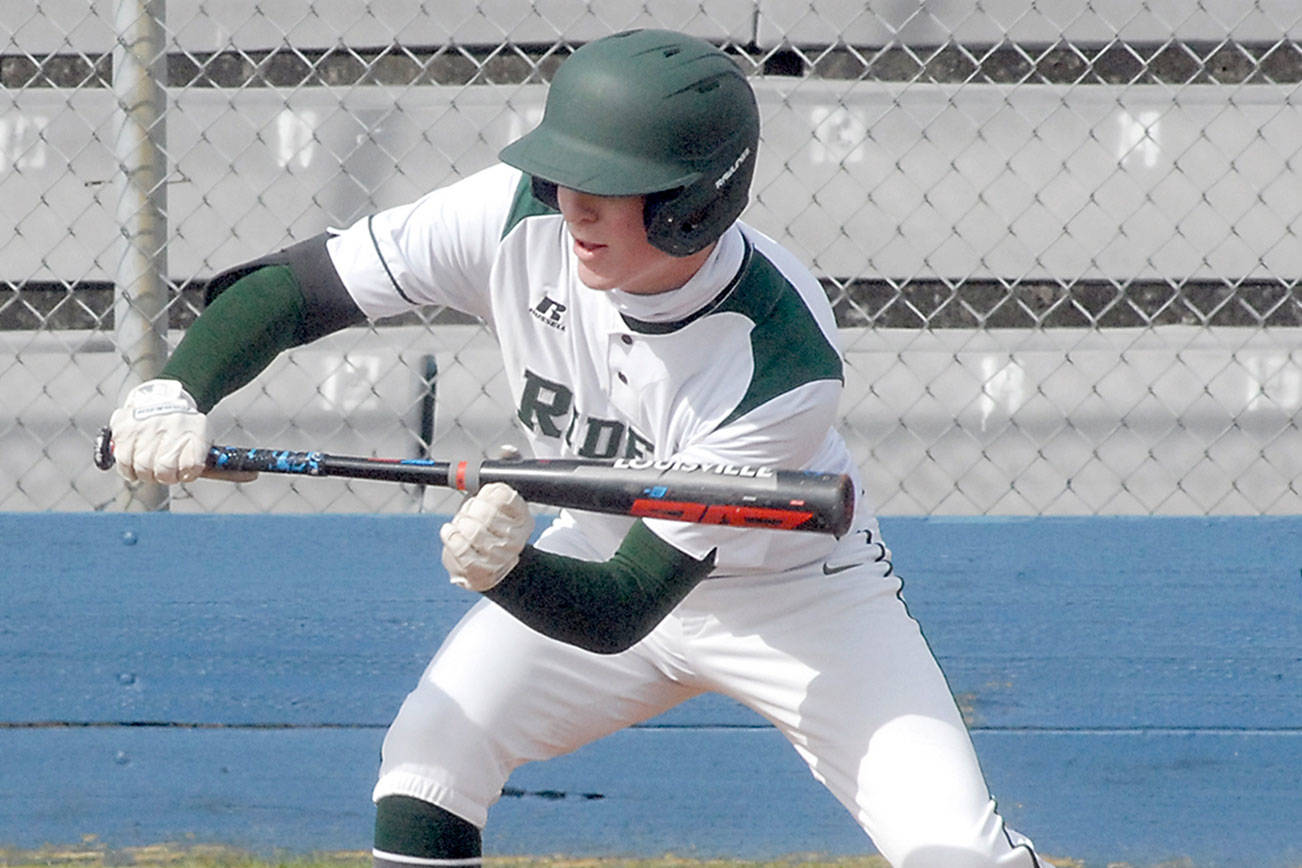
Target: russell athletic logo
550,313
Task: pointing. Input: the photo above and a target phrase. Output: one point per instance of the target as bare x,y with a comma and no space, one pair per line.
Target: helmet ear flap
688,219
545,192
678,222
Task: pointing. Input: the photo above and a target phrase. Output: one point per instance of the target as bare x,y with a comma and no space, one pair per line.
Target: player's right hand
159,435
483,541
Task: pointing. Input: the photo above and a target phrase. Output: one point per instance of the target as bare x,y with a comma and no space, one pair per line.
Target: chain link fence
1061,236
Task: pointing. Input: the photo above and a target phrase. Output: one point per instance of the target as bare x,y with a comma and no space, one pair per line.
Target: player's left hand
159,435
483,541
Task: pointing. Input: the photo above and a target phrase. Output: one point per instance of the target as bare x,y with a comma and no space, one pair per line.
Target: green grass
89,855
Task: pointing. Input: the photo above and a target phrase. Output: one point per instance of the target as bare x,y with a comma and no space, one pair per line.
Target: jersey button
622,377
627,339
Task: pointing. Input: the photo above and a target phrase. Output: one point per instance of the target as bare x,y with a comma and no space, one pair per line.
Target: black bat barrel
708,494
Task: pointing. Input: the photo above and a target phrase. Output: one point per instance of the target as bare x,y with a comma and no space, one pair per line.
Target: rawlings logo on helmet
732,170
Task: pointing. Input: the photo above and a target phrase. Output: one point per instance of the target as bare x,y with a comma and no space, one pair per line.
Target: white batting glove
483,541
159,435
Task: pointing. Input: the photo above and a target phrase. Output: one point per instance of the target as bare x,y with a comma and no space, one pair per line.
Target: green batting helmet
653,113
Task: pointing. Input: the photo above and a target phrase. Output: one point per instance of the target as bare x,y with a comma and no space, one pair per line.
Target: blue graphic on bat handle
269,460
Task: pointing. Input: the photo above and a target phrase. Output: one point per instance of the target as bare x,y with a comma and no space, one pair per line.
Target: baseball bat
726,494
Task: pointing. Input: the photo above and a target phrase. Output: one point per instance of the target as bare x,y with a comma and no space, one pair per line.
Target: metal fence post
141,296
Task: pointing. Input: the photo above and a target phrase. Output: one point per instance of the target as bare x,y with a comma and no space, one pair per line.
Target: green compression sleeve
239,334
601,607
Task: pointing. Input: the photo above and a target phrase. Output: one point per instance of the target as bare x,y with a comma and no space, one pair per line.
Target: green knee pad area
410,827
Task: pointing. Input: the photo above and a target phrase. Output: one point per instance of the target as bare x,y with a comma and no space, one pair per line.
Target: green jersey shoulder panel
525,205
787,345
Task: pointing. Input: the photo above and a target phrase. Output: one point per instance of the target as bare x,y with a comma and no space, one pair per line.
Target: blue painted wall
1134,686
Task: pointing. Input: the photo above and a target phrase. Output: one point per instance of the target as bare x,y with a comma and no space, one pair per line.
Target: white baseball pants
834,662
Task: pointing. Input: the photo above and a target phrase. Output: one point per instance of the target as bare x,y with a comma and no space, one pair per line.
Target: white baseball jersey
685,374
737,368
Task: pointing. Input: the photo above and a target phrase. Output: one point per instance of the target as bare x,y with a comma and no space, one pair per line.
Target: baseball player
637,317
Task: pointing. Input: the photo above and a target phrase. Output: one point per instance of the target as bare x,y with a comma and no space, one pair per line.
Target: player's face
610,244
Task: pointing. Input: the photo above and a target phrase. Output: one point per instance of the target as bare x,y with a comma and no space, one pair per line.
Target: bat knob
103,456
